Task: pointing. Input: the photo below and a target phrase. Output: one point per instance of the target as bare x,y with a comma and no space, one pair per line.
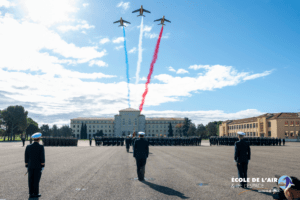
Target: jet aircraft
121,22
162,20
141,11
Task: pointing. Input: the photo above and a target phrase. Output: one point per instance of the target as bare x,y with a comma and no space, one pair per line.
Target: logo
285,182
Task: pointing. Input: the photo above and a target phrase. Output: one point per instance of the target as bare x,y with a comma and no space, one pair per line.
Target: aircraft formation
141,10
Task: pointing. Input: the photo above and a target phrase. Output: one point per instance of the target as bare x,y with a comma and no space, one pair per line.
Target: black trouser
23,142
242,171
140,164
34,176
127,147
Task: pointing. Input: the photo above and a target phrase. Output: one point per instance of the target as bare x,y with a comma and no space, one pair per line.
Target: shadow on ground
165,190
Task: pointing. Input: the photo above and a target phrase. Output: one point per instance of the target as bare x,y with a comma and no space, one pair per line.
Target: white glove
42,169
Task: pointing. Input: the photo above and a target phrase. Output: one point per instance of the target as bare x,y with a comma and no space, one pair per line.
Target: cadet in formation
128,141
35,163
140,153
23,140
241,157
90,141
30,140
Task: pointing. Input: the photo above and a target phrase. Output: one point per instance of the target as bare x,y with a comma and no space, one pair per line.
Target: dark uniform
242,156
23,140
128,142
141,152
30,140
34,156
90,141
283,141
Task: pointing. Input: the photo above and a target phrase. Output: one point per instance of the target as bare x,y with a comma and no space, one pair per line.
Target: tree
186,126
32,127
170,130
54,131
15,118
192,130
65,131
45,130
212,129
179,128
201,131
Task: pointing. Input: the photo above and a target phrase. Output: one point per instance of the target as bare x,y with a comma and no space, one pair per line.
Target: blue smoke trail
127,67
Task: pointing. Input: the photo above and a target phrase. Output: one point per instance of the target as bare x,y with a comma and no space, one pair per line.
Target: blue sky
218,60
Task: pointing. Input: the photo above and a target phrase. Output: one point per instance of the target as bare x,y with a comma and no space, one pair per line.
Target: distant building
281,125
125,123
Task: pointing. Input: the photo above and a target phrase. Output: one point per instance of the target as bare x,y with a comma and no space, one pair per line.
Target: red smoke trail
151,67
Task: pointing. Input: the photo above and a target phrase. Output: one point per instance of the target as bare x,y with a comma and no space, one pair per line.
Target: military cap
36,135
141,133
241,133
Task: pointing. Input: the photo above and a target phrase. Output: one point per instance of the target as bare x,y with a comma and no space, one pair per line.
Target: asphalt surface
86,172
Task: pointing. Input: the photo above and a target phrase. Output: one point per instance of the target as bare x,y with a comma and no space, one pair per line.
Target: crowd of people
253,141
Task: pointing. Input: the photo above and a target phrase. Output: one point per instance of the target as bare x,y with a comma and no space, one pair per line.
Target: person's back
242,152
141,148
34,155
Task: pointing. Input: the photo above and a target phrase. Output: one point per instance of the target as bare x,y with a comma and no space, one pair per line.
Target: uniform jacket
141,148
242,151
34,155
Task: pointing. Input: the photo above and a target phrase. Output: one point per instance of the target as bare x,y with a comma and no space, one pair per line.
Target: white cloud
181,71
118,40
83,25
143,78
254,76
171,69
104,40
195,67
85,4
133,50
151,35
147,28
6,4
49,12
154,35
119,47
100,63
204,117
124,5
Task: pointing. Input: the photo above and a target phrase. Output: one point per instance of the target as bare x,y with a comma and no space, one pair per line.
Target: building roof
268,116
93,118
163,118
129,110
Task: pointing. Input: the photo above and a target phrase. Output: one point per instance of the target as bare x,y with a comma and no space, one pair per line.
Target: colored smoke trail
140,53
151,68
127,67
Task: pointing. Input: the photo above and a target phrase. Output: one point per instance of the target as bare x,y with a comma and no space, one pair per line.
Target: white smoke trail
140,54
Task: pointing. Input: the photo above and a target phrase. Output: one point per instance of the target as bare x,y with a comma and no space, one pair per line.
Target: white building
125,123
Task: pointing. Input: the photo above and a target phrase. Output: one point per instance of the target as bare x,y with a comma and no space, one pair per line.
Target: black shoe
37,195
141,179
31,196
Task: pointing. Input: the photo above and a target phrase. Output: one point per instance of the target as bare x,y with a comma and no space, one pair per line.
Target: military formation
60,141
153,141
253,141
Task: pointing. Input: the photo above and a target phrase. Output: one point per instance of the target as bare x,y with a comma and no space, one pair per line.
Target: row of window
74,126
291,123
243,126
153,131
163,122
291,134
161,126
90,122
94,131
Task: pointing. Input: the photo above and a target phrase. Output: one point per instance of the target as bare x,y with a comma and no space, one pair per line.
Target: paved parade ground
85,172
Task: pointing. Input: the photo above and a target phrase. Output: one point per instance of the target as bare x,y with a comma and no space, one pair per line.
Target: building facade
125,123
281,125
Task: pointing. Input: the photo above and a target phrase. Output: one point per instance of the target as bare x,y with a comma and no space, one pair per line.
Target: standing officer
35,163
279,141
90,141
127,141
30,140
283,141
242,156
23,140
141,152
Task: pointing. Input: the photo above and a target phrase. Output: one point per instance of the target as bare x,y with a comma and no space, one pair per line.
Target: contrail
140,54
151,68
127,67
